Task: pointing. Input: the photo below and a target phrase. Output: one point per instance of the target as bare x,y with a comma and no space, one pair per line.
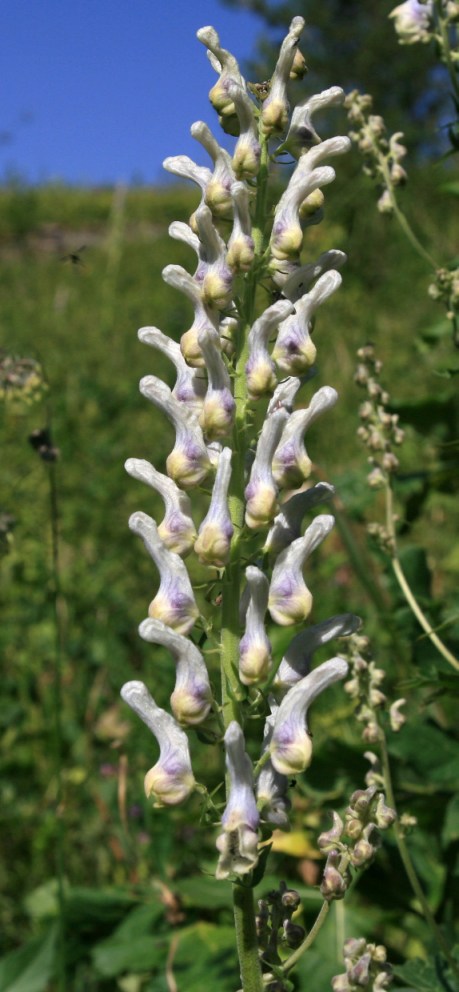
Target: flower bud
333,885
384,816
329,840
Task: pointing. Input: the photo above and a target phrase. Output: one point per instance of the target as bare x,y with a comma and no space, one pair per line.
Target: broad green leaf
432,753
422,976
206,958
30,968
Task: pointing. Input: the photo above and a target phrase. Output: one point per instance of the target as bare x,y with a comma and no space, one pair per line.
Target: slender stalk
405,587
445,45
308,940
57,730
406,858
246,939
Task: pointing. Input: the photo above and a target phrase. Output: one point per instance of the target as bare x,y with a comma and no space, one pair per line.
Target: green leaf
30,968
134,946
206,958
450,831
204,893
422,976
433,755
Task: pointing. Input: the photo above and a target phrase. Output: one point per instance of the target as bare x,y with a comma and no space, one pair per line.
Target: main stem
244,911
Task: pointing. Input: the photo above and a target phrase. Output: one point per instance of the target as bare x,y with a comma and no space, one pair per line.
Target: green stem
405,587
246,939
308,940
446,48
406,858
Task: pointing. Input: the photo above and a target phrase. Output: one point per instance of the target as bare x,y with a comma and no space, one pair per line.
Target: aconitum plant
241,364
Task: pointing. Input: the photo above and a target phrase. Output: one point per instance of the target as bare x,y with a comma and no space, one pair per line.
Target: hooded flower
413,21
215,275
287,234
287,525
191,383
274,114
291,747
181,165
298,657
255,646
301,134
261,492
218,190
188,463
191,699
291,462
290,600
247,153
227,67
260,369
294,351
271,786
176,530
241,249
174,603
238,840
204,317
302,277
217,413
171,780
215,533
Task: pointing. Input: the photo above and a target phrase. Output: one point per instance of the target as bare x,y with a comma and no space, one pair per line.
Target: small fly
74,257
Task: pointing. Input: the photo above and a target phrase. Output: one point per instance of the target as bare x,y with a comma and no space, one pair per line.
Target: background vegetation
80,272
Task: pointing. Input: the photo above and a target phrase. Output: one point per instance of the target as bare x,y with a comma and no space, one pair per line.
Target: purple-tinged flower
215,274
227,67
330,840
192,697
291,462
287,525
171,780
291,745
274,113
397,719
176,530
214,537
261,492
294,351
218,190
247,153
183,166
301,134
271,786
290,600
188,463
241,249
217,413
204,318
333,886
287,233
174,603
238,841
413,21
298,657
255,646
260,369
191,383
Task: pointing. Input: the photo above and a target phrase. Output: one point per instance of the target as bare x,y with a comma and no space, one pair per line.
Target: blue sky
100,91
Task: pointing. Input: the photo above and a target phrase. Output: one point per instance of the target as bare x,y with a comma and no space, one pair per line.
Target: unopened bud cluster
379,429
445,290
277,932
354,840
382,155
366,967
21,380
364,687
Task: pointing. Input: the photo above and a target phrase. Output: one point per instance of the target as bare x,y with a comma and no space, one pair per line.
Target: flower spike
191,699
287,525
238,841
215,533
171,780
291,462
261,492
260,369
291,747
177,530
290,600
188,462
274,114
255,646
190,384
298,657
174,603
